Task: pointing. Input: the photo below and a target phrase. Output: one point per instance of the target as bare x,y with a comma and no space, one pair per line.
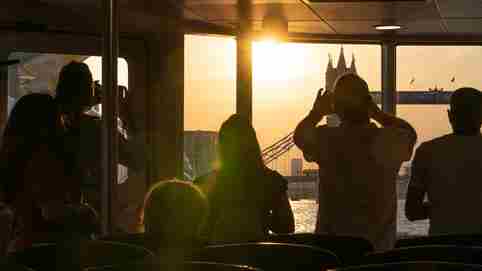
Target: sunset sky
286,77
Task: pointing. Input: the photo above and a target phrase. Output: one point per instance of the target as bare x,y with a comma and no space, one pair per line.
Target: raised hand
323,104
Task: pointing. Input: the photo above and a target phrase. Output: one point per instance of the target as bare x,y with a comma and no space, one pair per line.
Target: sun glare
272,60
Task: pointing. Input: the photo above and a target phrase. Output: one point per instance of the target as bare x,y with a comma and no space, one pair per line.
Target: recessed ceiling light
388,27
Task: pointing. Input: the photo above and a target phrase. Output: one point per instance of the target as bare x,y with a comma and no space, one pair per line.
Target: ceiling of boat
339,17
325,17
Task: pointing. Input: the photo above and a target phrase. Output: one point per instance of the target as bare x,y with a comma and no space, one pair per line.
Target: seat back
78,255
468,240
13,267
349,249
415,266
136,239
187,266
270,256
455,254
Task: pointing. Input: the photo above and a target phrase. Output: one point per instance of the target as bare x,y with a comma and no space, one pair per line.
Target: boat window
38,73
286,79
426,76
209,98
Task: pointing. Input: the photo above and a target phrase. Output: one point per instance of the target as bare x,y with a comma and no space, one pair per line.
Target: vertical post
109,113
244,84
4,87
166,94
389,80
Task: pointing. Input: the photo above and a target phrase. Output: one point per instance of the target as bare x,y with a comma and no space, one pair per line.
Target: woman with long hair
32,164
247,199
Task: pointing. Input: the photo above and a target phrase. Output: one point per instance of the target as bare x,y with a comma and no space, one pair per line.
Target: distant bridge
417,97
282,146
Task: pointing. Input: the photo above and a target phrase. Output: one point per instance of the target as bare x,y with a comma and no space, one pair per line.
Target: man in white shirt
448,170
358,162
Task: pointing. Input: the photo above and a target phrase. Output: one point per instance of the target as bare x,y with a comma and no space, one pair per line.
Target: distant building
296,167
332,74
201,151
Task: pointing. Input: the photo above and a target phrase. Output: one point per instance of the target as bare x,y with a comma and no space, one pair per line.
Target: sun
273,61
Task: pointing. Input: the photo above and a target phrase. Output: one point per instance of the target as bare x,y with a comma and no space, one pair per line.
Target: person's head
465,112
33,120
175,212
75,87
351,98
238,145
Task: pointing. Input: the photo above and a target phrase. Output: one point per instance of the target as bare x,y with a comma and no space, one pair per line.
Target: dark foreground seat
348,249
468,240
74,256
415,266
270,256
188,266
13,267
455,254
136,239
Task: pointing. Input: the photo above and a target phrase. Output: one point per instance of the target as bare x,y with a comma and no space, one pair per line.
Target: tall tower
352,68
332,74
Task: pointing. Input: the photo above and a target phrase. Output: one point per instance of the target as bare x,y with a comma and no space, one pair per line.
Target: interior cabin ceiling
338,17
331,17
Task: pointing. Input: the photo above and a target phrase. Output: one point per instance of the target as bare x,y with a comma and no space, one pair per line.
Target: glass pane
38,73
209,98
432,72
286,79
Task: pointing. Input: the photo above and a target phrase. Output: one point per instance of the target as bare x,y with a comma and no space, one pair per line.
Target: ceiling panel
376,11
472,26
313,27
423,27
460,8
292,10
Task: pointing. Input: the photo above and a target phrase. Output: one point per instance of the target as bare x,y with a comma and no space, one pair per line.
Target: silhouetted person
358,162
247,199
175,213
32,164
448,171
82,140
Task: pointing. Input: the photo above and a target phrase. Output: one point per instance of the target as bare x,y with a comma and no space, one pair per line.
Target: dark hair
75,81
351,97
32,122
238,145
466,110
175,210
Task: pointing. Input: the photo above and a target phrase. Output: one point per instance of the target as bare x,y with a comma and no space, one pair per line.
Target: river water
305,218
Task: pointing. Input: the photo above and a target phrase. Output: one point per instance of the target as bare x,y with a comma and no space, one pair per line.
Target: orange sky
286,78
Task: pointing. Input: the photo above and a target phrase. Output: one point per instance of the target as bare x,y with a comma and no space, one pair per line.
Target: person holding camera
358,162
76,94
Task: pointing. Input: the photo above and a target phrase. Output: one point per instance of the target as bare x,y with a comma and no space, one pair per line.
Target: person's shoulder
434,143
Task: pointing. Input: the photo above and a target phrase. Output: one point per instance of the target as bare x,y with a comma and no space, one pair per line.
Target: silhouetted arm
305,136
415,207
405,134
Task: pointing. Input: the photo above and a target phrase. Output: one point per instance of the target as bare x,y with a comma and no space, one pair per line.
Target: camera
98,90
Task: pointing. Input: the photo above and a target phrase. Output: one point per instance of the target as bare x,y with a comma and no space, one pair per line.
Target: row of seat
284,252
